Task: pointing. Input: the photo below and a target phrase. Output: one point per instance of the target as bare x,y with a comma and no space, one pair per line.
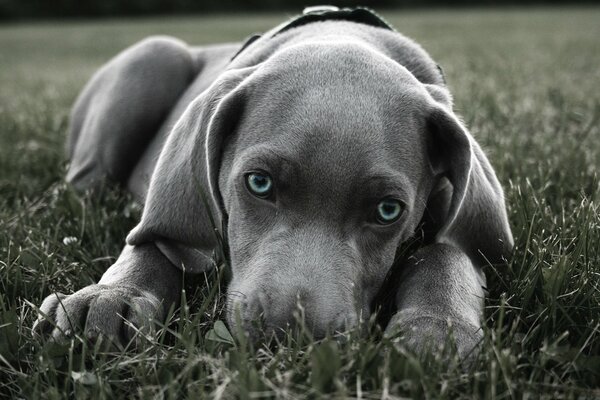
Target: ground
526,82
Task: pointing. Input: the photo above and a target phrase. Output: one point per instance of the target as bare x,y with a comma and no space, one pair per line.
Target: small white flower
69,240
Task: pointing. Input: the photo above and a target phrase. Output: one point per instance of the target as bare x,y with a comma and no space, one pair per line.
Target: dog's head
320,162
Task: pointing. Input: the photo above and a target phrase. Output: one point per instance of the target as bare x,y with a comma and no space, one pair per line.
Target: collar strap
359,15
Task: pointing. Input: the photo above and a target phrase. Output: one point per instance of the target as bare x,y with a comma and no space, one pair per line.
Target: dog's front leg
140,287
441,292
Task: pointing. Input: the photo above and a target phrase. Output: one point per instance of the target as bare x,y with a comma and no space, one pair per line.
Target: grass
525,81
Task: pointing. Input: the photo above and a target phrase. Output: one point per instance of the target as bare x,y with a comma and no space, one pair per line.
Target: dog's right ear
476,219
182,214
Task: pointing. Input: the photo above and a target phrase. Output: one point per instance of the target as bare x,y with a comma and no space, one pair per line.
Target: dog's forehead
339,112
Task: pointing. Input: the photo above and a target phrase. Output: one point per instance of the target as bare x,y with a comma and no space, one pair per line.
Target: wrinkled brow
381,183
262,157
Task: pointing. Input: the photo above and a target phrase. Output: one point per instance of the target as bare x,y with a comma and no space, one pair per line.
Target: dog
317,149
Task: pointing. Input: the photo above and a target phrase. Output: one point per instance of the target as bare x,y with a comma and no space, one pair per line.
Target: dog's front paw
424,333
115,312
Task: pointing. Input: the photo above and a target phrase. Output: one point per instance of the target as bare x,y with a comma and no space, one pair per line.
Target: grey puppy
320,147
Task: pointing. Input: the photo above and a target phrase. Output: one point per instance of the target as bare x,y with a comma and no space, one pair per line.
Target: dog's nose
288,310
303,309
345,320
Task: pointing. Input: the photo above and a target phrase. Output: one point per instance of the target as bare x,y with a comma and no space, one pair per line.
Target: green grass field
527,83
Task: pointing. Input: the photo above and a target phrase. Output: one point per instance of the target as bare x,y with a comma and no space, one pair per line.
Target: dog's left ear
476,220
182,214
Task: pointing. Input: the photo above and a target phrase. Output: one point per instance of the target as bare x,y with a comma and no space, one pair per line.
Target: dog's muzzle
264,315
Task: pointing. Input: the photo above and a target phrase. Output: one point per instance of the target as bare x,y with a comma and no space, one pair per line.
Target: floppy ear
476,219
182,213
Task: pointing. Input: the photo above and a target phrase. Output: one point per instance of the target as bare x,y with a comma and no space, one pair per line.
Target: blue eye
389,210
260,184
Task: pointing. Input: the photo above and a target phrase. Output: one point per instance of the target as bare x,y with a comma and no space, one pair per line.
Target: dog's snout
288,309
345,320
273,312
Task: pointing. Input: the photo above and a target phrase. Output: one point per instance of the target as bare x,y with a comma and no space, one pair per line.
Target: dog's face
321,161
326,173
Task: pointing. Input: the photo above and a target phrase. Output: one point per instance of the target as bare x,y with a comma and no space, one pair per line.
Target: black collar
359,15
